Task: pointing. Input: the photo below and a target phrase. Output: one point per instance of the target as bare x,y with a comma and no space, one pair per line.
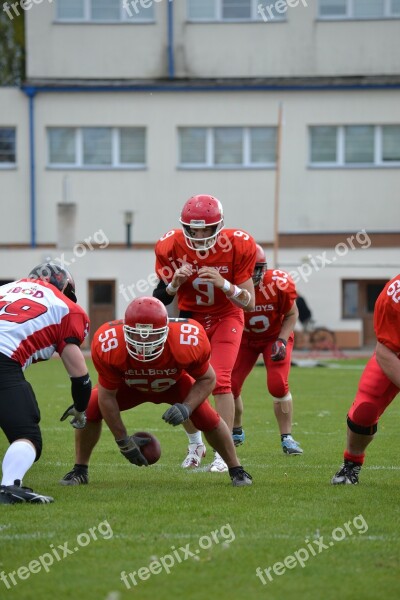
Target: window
234,10
355,145
350,299
359,9
227,147
323,144
97,147
359,144
7,147
391,143
106,11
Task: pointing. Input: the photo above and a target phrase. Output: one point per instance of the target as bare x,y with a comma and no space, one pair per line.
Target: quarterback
210,270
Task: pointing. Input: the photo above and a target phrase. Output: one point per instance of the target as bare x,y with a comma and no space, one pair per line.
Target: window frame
378,162
349,16
255,17
10,165
210,150
87,18
116,163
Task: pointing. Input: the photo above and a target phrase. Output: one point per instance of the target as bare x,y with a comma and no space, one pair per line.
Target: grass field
143,515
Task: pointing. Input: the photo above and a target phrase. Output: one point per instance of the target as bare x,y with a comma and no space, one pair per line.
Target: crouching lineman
148,359
38,316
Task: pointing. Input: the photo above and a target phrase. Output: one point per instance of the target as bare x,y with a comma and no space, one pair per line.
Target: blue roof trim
204,88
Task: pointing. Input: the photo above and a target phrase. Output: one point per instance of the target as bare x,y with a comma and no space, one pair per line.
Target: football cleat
290,446
241,478
76,477
218,465
238,438
194,455
16,494
347,474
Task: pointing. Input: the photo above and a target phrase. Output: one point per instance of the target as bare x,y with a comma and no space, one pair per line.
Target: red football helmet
57,275
146,328
260,266
201,212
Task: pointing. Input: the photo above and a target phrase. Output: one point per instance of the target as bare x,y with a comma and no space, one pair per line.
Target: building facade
129,108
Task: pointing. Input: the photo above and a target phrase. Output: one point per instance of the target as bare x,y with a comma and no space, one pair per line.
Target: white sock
18,459
195,438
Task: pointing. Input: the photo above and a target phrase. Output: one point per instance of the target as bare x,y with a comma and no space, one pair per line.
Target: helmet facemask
258,272
145,343
201,243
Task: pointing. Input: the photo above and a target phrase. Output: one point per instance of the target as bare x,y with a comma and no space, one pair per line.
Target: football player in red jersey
38,316
210,270
146,358
268,330
378,386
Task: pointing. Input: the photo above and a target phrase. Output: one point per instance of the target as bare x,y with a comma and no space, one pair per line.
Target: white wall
302,45
14,182
311,200
94,51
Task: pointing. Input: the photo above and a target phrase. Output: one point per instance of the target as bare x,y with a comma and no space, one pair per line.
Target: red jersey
36,319
274,297
234,256
387,315
186,349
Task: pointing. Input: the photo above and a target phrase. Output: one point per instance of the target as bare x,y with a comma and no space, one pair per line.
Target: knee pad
283,401
361,429
364,414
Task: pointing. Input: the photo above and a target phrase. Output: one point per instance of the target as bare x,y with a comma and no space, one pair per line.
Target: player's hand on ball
177,414
79,418
130,448
278,350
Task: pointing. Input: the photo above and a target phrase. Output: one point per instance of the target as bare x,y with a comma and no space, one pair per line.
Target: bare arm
74,361
289,321
111,413
389,363
201,389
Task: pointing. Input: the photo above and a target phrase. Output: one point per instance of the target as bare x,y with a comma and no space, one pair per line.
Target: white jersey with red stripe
36,319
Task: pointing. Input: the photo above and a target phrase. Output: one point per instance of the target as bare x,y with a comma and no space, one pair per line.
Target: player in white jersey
38,316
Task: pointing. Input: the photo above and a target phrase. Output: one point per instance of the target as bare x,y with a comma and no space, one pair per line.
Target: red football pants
277,371
375,393
224,334
204,418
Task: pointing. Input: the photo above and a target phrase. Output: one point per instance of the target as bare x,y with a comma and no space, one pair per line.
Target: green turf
153,512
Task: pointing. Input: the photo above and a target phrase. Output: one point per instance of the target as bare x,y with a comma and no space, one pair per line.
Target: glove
79,420
130,448
177,414
279,350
